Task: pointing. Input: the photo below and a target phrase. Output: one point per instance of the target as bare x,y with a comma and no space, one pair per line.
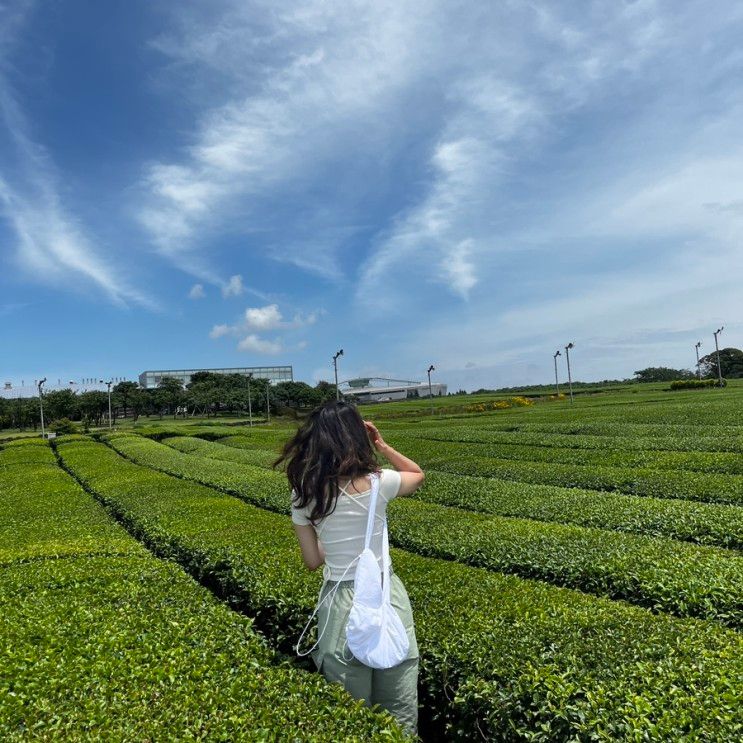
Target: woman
328,463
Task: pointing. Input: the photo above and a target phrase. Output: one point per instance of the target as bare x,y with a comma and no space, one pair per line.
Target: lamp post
557,384
570,378
335,368
108,384
268,401
696,348
430,389
717,348
250,404
41,405
428,371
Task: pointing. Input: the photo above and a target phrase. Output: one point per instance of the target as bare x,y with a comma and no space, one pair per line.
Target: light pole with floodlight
428,371
335,368
717,348
250,404
570,378
108,384
41,405
696,347
557,383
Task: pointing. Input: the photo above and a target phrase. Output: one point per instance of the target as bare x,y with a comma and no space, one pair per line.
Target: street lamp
717,348
428,371
250,404
430,389
696,347
557,384
335,367
570,379
109,383
41,405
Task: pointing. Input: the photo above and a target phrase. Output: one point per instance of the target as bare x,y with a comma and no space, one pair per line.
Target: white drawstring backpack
375,633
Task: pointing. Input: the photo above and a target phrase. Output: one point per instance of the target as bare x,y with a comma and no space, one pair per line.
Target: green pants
394,689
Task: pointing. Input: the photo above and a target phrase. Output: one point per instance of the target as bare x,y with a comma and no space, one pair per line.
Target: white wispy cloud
263,318
260,320
233,287
220,330
317,73
255,344
505,99
51,243
268,317
197,292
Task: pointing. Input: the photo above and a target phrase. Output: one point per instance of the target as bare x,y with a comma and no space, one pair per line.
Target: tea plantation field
575,573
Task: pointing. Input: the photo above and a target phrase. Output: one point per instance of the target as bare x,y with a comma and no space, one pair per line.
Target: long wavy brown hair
331,445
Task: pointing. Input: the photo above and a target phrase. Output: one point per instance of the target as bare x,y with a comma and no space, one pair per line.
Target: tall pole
717,348
41,406
557,383
696,348
430,389
570,378
250,404
335,368
268,402
110,417
108,384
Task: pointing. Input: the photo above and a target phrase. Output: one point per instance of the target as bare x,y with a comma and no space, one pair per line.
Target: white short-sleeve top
342,532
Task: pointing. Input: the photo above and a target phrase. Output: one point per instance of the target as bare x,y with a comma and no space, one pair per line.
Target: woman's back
342,532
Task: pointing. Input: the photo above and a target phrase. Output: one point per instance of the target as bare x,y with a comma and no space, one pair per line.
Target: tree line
207,394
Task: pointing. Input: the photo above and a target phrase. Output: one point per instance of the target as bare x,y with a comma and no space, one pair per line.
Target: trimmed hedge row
243,455
44,514
111,643
634,480
608,426
501,655
612,453
660,574
703,523
610,442
695,384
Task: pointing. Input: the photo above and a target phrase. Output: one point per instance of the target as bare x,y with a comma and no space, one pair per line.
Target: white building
378,389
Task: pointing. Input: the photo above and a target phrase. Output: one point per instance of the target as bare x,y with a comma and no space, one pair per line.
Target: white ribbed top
342,532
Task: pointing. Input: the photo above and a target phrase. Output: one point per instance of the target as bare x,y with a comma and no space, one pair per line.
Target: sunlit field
574,570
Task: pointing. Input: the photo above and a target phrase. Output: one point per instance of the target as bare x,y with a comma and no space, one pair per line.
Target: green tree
169,394
93,405
296,395
139,401
662,374
123,393
731,363
325,391
61,404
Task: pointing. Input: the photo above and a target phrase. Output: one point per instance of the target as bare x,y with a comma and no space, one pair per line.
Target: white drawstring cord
332,593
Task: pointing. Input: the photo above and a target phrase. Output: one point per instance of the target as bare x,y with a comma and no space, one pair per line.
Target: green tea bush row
703,523
44,514
713,462
582,425
501,657
661,574
695,384
635,480
111,643
241,454
617,442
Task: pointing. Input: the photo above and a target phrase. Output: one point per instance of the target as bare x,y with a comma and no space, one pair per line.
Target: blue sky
471,185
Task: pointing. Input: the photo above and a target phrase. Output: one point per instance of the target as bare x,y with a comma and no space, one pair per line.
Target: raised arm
411,475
